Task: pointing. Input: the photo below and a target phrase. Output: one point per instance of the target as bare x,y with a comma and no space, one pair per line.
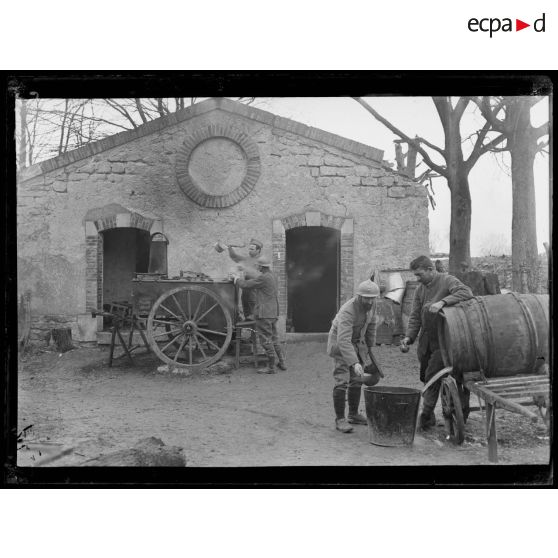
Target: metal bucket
392,414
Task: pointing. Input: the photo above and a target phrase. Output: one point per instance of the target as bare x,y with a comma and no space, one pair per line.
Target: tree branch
542,130
489,114
477,148
122,111
542,145
140,111
443,107
431,145
492,144
460,107
439,169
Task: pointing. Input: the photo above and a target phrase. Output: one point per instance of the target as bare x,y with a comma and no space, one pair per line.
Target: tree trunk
411,161
523,147
524,229
63,339
460,226
22,159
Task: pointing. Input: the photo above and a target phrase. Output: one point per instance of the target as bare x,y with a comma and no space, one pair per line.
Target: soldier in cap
266,312
353,327
248,264
436,290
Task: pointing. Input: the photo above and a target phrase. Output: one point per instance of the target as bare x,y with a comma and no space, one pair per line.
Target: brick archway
313,219
94,249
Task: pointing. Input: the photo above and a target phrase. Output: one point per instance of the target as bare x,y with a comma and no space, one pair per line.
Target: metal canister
158,254
395,287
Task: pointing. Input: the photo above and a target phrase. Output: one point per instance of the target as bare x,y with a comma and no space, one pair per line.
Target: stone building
328,210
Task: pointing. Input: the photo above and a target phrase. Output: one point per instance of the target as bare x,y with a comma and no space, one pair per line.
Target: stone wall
131,177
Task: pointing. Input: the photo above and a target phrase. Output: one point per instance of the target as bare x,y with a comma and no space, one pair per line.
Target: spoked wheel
189,327
452,411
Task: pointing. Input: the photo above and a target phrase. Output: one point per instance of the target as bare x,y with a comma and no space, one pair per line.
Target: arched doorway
312,261
125,253
116,247
311,220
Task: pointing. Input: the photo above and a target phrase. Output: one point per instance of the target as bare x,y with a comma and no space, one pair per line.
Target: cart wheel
452,411
189,327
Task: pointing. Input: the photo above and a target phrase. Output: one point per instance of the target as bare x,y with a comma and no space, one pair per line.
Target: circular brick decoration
217,166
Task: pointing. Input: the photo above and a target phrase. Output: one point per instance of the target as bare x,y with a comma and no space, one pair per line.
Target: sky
489,180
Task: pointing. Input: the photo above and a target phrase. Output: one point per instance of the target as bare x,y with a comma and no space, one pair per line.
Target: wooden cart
497,348
189,323
511,393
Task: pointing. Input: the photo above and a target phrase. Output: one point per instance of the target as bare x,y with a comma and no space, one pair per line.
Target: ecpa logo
494,24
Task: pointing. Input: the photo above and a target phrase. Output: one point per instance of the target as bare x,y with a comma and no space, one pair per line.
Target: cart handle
436,377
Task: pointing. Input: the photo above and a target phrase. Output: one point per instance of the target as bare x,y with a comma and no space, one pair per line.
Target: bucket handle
436,377
163,235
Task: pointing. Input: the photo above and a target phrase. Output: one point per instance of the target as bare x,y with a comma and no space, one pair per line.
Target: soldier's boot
339,406
270,368
427,419
280,357
353,397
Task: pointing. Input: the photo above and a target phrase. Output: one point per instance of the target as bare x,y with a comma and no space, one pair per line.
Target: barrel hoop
462,330
540,304
490,356
531,327
471,328
545,310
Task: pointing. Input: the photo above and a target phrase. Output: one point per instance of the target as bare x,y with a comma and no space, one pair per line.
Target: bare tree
511,116
23,140
455,168
51,127
406,162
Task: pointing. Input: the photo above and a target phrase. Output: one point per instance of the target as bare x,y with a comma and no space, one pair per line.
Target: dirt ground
79,408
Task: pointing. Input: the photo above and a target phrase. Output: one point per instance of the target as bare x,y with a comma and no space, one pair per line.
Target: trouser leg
280,357
267,332
270,353
248,303
353,397
274,340
341,377
432,364
339,395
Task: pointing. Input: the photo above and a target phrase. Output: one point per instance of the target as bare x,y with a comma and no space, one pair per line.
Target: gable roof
209,105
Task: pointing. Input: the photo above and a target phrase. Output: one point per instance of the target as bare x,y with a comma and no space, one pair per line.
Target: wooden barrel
407,305
501,335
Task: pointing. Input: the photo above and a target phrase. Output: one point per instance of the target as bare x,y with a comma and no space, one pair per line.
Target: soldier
248,264
266,312
435,291
354,324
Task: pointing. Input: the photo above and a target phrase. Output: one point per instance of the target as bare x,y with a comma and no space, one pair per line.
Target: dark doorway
125,253
312,278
